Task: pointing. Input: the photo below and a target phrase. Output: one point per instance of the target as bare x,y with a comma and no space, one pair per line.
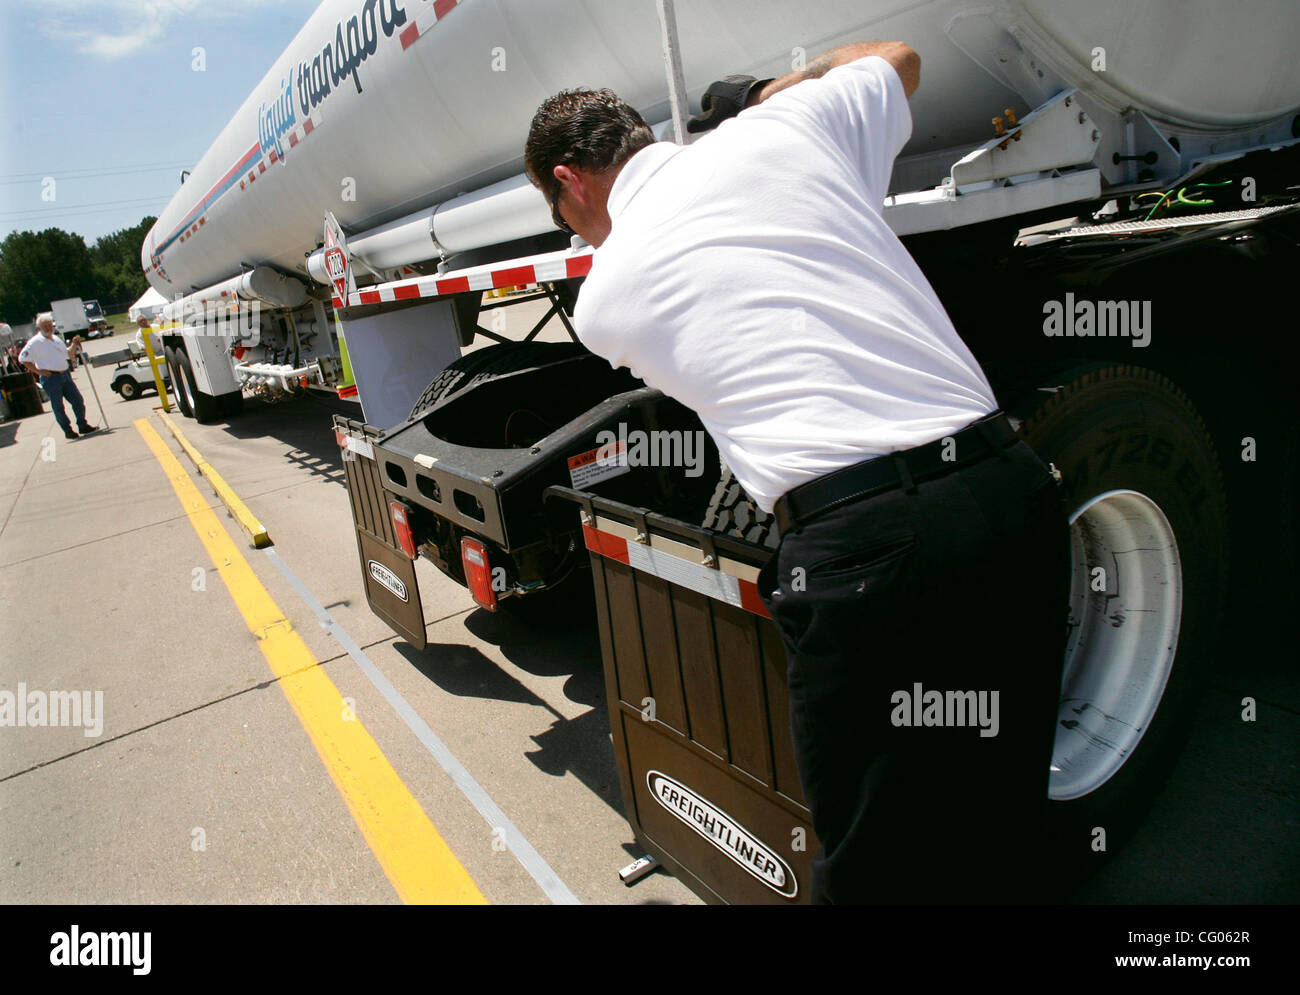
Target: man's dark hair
592,129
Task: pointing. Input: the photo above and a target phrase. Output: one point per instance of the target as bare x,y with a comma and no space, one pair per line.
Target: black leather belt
904,468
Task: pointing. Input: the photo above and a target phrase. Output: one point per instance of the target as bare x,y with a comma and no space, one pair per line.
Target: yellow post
154,362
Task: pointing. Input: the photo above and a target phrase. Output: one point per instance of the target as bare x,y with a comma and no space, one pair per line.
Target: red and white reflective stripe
432,13
292,139
719,584
563,265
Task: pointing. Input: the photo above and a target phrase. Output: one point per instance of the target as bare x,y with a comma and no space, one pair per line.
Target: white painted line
532,861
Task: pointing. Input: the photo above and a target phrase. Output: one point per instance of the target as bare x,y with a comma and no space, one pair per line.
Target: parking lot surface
252,733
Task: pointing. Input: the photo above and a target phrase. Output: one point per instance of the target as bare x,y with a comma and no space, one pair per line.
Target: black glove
723,99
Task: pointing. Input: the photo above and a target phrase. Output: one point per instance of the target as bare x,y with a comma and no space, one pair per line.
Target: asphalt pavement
194,775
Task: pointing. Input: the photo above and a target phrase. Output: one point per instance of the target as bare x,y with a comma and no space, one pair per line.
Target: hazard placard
337,262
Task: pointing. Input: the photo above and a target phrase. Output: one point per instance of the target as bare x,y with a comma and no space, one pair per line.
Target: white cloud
119,46
110,46
115,29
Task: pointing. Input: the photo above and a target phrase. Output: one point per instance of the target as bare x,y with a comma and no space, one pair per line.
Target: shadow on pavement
579,745
303,424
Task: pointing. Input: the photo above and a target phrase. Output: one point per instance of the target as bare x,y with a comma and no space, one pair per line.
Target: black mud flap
388,573
391,588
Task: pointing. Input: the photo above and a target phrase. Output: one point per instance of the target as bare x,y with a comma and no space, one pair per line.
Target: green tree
39,267
115,260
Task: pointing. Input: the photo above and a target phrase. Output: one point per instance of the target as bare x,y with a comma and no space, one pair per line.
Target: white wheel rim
1122,640
189,394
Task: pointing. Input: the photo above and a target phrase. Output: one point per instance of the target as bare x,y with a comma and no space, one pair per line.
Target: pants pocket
870,557
857,593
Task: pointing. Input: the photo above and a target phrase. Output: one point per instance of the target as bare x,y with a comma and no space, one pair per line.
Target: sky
108,99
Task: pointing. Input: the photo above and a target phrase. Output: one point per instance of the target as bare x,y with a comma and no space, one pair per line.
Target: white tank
435,97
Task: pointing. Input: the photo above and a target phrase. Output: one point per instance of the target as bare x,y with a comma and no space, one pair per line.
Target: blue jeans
59,386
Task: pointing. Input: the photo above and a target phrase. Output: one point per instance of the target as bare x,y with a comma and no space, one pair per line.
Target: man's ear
572,181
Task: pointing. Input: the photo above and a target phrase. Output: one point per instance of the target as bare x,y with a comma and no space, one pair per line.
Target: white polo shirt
751,277
155,341
48,354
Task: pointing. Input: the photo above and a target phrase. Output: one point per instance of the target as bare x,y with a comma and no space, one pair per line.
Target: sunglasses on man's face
556,216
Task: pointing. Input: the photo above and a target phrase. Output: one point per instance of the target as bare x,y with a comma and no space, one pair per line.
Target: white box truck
69,317
1107,208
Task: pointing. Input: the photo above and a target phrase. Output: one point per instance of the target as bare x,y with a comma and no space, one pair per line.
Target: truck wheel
177,382
732,512
128,389
203,407
1148,528
489,363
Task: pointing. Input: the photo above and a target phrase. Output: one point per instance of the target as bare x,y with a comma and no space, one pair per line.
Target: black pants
959,585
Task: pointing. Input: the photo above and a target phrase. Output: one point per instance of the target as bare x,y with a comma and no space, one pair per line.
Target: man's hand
902,57
723,99
728,97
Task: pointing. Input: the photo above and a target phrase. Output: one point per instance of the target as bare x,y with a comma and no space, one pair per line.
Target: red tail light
401,516
478,573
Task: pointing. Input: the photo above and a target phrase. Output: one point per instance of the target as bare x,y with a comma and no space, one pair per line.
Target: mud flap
391,588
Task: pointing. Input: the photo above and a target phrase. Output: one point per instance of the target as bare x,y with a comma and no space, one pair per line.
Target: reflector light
400,515
478,573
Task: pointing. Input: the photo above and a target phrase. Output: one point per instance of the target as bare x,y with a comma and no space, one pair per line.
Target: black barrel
22,393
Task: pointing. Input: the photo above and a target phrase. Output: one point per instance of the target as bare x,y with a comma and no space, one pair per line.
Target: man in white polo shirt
46,355
923,548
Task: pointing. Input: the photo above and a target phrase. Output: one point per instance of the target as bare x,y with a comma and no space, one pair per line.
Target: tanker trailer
1084,187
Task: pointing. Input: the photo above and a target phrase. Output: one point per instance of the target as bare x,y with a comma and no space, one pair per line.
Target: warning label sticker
599,464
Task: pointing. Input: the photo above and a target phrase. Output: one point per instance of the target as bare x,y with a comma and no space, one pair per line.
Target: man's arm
902,57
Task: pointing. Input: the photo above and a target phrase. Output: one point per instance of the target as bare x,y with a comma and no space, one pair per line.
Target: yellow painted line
246,519
417,861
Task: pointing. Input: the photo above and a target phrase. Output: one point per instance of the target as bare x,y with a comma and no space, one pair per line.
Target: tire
203,407
733,513
1147,505
489,363
176,383
128,389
